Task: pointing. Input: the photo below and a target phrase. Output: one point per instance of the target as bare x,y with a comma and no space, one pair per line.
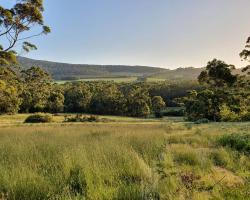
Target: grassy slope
140,160
117,80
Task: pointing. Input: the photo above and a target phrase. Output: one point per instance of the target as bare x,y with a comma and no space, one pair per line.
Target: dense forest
218,95
33,90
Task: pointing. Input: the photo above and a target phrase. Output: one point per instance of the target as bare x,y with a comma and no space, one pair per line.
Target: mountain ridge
66,71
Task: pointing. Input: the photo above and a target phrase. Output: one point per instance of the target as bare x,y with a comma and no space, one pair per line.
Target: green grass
155,79
117,80
121,160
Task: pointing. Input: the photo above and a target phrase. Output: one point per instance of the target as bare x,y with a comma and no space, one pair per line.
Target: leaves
28,46
18,21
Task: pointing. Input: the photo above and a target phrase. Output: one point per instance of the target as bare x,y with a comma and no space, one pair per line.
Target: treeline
225,97
218,95
33,90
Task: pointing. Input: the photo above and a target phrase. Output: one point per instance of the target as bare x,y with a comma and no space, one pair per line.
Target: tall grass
112,161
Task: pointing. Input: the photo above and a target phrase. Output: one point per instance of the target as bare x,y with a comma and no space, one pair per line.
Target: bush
239,142
246,116
227,115
82,118
39,118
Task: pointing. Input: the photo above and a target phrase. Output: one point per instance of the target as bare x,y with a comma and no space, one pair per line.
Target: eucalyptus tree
16,27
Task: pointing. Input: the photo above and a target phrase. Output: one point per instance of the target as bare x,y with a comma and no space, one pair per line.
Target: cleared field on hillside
140,160
117,80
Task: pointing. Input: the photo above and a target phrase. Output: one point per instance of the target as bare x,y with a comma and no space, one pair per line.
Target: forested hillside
62,71
65,71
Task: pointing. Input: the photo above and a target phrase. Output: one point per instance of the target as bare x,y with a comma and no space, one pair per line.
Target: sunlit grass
163,160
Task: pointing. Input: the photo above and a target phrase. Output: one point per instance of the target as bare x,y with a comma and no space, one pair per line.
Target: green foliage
82,118
203,104
37,86
138,101
245,54
15,22
107,100
228,115
174,111
158,104
239,142
225,98
55,102
218,74
9,99
139,108
77,97
10,90
39,118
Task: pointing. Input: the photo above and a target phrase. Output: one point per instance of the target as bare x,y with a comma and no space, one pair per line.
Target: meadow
123,159
115,79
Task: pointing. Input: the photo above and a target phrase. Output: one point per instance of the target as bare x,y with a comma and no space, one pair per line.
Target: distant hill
64,71
61,71
189,73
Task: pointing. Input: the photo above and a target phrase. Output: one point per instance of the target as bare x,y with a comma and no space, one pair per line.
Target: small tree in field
157,104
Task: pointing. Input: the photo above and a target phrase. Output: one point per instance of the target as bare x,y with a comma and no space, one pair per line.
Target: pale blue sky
162,33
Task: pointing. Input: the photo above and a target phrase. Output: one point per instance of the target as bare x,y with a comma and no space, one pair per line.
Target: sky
160,33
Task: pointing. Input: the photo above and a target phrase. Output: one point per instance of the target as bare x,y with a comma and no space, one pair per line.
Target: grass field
143,159
117,80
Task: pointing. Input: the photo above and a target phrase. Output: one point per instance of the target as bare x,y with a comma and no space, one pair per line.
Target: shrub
245,116
239,142
227,115
82,118
39,118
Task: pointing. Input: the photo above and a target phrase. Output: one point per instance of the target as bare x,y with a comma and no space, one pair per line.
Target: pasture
143,159
115,79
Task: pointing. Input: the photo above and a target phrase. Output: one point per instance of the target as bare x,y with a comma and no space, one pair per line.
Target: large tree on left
16,26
